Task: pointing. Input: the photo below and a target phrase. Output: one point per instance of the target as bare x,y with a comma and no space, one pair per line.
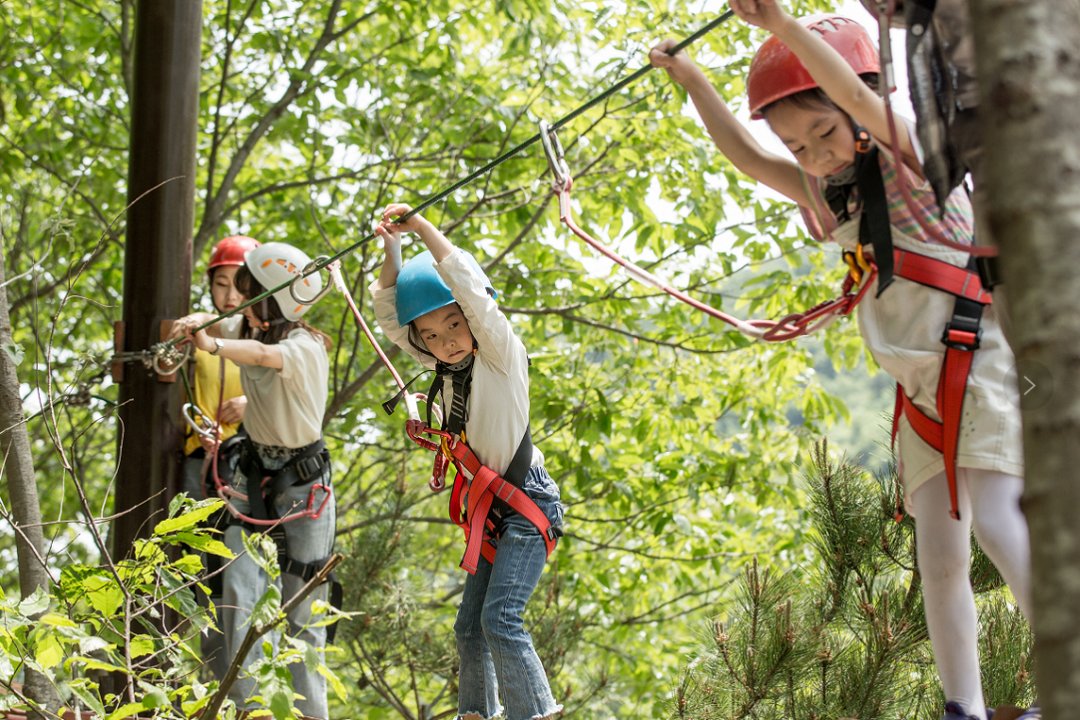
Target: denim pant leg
212,643
310,540
193,474
519,562
478,689
245,583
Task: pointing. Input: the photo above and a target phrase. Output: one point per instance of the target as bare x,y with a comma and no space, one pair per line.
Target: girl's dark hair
815,98
268,310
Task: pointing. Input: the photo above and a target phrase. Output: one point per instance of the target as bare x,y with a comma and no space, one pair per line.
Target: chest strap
961,338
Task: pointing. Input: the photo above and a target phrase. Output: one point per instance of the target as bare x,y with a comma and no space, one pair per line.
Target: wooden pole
157,258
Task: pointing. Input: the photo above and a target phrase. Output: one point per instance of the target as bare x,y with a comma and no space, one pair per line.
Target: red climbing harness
475,490
961,338
476,486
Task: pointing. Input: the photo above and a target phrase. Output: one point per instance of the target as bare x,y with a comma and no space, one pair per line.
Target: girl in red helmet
225,259
959,449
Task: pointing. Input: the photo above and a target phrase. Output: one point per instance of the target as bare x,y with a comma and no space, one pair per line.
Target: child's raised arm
732,139
831,72
435,241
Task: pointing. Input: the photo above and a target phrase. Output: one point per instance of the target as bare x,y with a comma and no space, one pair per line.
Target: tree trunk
1029,75
18,470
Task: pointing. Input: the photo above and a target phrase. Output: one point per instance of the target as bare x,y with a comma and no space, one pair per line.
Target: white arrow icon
1029,383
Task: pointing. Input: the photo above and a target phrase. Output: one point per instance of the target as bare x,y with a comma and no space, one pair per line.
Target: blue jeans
309,540
495,651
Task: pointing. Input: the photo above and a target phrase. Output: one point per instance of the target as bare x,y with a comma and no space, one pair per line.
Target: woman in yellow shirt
209,370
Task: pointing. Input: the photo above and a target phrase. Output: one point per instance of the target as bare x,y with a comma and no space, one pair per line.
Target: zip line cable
322,262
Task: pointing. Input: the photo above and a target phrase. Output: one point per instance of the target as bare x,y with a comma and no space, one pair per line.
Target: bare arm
391,266
730,137
242,352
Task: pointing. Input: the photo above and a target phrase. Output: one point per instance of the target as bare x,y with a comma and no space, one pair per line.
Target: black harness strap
461,380
305,466
874,227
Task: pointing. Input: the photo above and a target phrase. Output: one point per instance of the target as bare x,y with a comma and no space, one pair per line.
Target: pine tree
845,636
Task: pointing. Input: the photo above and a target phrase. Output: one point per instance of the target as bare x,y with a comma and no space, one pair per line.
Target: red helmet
775,72
230,251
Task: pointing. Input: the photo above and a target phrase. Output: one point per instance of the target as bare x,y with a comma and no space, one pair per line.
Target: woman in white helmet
284,468
218,397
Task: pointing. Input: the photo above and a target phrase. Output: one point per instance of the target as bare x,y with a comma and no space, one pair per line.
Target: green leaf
268,608
15,352
188,519
34,604
48,653
204,543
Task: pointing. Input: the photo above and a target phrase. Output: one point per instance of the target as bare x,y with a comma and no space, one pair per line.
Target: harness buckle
962,334
989,272
863,140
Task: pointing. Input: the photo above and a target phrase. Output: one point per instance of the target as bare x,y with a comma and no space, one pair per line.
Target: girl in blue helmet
440,308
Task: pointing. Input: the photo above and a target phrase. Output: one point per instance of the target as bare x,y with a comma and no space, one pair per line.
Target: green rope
561,122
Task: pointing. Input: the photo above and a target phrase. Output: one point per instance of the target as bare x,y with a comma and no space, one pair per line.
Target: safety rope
856,283
161,350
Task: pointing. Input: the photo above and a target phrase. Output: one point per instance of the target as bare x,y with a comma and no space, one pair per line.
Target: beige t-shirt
286,407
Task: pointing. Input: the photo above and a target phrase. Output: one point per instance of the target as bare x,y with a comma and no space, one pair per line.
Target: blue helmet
420,288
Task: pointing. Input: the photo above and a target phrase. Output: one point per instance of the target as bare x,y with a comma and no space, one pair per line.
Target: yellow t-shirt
207,389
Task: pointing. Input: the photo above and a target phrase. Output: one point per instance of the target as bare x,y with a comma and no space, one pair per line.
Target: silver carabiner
202,425
311,266
166,359
554,152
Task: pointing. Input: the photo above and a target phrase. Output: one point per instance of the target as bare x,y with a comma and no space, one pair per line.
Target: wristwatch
218,344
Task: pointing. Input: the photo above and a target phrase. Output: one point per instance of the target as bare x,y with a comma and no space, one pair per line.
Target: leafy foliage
677,443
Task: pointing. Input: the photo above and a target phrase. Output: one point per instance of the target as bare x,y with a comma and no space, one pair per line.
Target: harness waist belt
486,487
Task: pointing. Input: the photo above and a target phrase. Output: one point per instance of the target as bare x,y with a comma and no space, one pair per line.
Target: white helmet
275,263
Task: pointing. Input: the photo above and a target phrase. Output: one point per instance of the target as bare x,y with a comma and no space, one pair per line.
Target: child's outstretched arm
831,72
391,266
732,139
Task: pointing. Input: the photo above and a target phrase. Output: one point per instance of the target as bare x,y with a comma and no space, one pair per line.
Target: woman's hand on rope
679,66
209,444
184,328
232,410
